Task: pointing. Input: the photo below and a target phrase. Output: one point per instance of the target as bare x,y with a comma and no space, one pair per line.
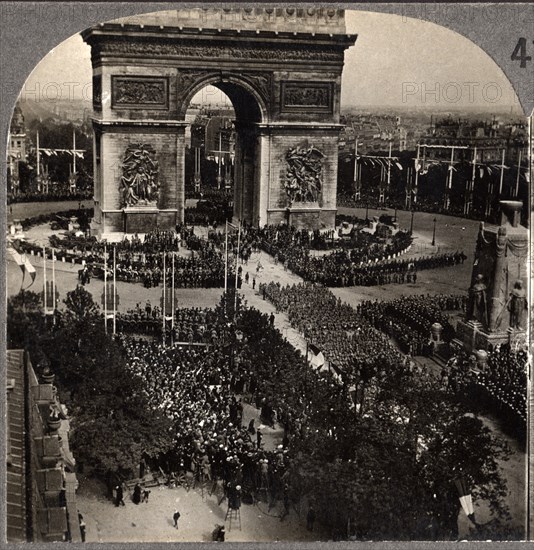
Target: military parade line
358,259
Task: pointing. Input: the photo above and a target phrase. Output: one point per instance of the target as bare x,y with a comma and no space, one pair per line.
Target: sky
396,62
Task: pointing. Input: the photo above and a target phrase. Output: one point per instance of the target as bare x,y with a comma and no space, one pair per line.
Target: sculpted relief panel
299,96
217,51
304,174
139,92
139,183
97,92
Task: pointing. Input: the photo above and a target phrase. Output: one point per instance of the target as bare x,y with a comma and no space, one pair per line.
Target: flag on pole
29,269
465,498
107,297
50,298
24,263
315,356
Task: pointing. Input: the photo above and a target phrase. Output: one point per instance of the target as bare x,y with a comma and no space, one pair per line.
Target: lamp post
367,210
411,222
434,234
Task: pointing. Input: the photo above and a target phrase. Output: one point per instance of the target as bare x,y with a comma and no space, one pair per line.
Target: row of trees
112,426
383,471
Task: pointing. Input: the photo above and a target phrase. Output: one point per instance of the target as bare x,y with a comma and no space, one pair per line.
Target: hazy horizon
397,62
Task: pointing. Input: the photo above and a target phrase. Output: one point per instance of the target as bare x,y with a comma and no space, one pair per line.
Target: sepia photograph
267,280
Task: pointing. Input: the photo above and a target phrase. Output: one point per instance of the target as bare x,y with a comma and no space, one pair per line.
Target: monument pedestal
304,215
134,219
472,336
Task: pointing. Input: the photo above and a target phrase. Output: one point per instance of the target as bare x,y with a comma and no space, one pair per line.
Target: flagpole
416,176
38,156
389,164
219,163
449,182
164,281
502,172
237,267
518,174
226,257
172,298
114,290
356,189
54,280
44,278
74,153
23,273
105,290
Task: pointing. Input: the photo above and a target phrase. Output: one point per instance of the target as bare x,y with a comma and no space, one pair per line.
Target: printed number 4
520,53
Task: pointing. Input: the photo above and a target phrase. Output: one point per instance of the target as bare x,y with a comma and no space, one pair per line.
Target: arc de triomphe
281,68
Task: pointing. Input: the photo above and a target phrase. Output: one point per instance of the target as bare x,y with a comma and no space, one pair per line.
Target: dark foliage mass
376,449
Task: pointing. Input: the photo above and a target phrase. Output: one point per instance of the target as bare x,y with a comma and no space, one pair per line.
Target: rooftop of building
309,19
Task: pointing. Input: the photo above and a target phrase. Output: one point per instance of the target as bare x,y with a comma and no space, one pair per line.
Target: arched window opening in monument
221,152
210,152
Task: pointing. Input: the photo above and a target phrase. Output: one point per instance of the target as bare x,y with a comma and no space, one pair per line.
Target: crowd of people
369,261
409,319
197,262
339,270
501,385
201,390
187,325
346,337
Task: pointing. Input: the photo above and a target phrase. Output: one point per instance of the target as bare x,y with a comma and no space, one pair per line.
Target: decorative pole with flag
54,280
502,167
74,152
237,268
417,168
163,305
114,290
105,289
28,268
389,164
357,189
465,498
38,167
225,259
516,191
471,185
172,298
25,266
44,280
447,198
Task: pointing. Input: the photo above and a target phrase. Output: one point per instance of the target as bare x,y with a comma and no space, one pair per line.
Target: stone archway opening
226,138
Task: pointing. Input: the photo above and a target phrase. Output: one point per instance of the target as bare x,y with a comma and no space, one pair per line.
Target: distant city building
490,138
374,132
16,148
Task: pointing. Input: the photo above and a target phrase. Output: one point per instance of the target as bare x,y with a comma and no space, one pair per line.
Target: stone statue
139,181
517,304
304,174
478,304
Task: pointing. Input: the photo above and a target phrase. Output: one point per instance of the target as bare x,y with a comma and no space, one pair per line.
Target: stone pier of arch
284,86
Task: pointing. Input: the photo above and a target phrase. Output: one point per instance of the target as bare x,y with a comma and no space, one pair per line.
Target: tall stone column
497,293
